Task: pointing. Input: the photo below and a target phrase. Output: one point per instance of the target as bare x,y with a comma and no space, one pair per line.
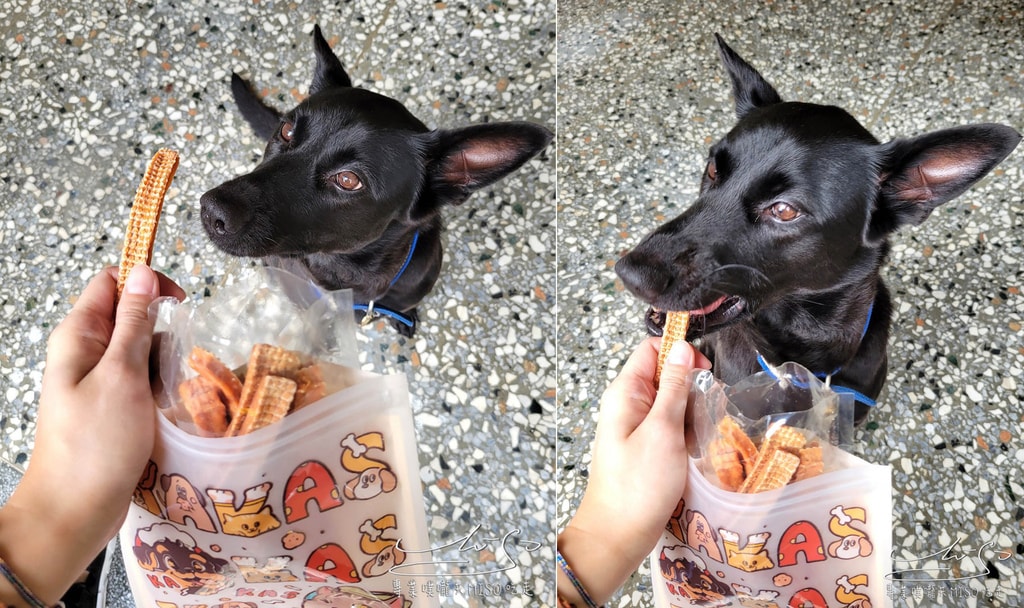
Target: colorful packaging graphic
312,511
815,532
824,542
318,508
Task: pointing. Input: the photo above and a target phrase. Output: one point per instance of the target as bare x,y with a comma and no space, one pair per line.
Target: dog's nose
644,278
216,217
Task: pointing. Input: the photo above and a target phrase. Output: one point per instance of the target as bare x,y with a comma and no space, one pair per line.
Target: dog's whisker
748,269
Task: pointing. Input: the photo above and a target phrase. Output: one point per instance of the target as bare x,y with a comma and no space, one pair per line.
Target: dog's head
346,163
797,199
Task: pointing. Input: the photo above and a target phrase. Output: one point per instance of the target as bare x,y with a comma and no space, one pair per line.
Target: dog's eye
712,170
784,212
347,180
287,131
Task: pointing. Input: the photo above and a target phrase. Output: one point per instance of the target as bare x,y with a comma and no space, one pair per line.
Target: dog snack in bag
281,474
775,511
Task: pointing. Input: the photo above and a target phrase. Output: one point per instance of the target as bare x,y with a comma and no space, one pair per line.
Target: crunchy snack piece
145,213
811,462
311,386
725,459
774,470
778,454
202,400
271,401
734,436
676,323
265,360
220,375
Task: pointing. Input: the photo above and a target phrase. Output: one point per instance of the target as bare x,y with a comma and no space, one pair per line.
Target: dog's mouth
715,315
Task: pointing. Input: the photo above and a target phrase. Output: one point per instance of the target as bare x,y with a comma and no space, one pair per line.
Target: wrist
45,554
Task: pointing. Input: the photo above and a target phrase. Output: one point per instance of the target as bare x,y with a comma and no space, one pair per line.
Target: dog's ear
329,72
749,89
262,118
917,175
461,161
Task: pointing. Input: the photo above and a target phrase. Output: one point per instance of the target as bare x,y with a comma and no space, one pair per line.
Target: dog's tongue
710,307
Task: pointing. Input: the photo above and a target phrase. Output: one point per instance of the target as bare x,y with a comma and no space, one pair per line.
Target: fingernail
141,281
680,354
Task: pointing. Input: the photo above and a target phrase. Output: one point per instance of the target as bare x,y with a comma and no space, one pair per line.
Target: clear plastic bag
323,506
824,540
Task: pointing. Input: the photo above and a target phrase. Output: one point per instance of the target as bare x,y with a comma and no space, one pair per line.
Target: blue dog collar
826,378
373,311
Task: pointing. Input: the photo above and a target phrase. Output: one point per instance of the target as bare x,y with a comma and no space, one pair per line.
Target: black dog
351,187
778,259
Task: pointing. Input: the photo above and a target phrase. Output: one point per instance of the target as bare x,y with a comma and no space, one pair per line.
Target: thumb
674,385
133,329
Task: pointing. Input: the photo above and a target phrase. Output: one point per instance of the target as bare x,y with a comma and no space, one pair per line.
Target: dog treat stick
264,360
777,460
676,323
218,374
142,222
271,401
202,400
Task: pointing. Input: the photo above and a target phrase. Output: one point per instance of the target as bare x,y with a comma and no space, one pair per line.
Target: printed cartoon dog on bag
852,543
374,477
752,557
380,539
699,533
688,576
175,561
182,501
255,517
353,597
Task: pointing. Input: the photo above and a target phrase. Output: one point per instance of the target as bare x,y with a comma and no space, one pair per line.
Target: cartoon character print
144,496
182,502
699,533
174,560
764,598
852,543
274,571
255,516
374,477
853,591
687,576
227,604
353,597
752,557
380,539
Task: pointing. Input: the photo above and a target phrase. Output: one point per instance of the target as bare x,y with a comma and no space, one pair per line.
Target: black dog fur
348,178
780,254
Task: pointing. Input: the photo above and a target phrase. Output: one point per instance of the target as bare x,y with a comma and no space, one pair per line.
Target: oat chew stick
145,214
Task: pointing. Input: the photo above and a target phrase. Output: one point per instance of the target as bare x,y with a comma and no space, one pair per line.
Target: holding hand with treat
95,434
638,473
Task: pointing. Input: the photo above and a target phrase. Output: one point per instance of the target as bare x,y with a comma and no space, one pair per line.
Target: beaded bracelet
575,581
20,587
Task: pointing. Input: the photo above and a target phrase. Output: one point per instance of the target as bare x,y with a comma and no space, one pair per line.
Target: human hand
638,469
95,432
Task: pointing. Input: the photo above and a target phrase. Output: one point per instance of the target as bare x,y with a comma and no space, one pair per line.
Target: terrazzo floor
88,91
641,96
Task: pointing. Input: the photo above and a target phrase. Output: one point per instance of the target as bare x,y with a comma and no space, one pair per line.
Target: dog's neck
374,271
821,331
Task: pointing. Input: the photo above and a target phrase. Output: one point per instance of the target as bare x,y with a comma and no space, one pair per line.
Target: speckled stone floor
642,95
88,91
